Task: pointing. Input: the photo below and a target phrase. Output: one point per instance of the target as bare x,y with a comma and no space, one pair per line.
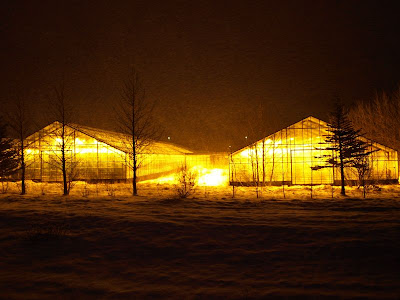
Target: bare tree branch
134,116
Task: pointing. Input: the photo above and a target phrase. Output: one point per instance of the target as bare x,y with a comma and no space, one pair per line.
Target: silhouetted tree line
379,118
8,154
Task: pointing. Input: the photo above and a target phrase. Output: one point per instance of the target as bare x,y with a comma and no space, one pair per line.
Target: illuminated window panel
288,157
95,154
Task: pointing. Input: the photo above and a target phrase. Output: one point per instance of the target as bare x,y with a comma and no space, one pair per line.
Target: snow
208,246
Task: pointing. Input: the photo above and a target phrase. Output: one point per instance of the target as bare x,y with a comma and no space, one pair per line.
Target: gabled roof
320,124
118,140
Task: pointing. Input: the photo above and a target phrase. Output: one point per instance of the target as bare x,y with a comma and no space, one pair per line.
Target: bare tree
363,168
232,171
255,166
186,181
20,124
257,128
64,112
379,118
134,115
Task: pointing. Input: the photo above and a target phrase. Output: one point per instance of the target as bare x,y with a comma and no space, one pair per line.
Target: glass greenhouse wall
94,154
289,156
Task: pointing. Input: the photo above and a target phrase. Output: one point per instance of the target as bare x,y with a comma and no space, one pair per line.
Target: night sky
208,64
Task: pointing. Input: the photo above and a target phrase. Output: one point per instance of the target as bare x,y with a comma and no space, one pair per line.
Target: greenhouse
94,154
294,155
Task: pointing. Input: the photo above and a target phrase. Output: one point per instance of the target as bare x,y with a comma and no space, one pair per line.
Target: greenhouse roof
312,123
120,141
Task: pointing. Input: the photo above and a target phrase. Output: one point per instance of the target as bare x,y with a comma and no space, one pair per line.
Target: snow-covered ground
99,242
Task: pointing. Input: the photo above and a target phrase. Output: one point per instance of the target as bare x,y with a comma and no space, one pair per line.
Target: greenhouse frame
293,156
100,155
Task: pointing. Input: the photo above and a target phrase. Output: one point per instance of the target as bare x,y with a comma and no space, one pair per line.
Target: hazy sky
207,63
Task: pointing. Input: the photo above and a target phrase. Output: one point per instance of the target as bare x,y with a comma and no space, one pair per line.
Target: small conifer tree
8,154
346,142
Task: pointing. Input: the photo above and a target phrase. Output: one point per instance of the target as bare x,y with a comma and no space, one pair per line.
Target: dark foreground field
54,247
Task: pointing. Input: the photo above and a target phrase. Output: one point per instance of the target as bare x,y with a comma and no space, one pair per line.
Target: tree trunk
257,171
134,187
363,183
273,161
342,191
263,162
64,171
134,180
23,191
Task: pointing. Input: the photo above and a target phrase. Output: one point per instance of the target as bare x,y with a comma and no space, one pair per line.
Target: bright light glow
163,180
245,153
206,177
213,177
